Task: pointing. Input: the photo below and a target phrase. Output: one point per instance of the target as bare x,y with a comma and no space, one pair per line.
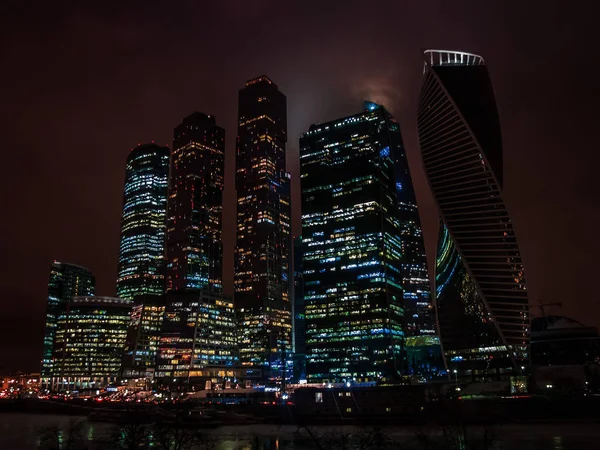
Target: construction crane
542,307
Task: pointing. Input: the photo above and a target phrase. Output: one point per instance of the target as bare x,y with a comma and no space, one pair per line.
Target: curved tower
141,251
481,294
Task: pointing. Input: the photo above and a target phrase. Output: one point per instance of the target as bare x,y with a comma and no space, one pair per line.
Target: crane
542,307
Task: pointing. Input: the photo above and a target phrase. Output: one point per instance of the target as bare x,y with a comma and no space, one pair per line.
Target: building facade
263,232
143,336
198,343
195,206
299,324
90,338
65,282
141,250
481,294
364,266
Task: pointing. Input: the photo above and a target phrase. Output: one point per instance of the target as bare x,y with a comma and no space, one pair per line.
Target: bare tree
175,437
67,438
131,435
315,438
374,439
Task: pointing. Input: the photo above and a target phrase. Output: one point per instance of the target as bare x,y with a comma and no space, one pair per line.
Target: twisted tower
480,288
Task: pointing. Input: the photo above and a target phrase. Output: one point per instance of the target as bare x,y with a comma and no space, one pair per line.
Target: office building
141,250
90,337
298,324
195,206
364,268
198,342
143,336
263,232
65,282
481,293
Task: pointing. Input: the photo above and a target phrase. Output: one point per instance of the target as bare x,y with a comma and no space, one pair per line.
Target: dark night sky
80,85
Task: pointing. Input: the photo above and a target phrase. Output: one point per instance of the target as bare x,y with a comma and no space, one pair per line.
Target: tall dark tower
195,205
263,231
366,294
65,282
142,248
481,293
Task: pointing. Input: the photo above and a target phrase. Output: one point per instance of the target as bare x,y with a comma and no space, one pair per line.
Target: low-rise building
89,343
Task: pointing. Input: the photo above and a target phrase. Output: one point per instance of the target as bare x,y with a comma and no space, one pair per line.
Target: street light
456,378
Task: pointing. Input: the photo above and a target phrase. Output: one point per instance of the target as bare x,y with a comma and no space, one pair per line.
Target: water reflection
22,431
558,443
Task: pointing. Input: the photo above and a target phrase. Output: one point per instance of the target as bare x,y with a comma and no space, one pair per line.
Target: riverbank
442,413
20,432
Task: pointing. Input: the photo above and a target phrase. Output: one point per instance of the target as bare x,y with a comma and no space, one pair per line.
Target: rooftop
92,299
452,58
262,78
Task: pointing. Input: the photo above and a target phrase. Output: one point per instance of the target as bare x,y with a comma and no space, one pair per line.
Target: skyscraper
364,266
141,252
65,282
195,205
299,325
481,294
263,230
90,337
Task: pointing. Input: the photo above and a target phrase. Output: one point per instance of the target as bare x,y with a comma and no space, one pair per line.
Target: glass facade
366,288
263,232
65,282
198,340
195,206
299,323
141,251
470,337
143,336
90,337
481,294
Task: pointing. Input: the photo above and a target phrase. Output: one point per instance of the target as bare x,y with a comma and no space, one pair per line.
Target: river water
22,431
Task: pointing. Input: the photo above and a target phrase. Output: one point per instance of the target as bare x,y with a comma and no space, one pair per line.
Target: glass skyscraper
143,336
90,337
195,205
65,282
366,293
299,324
141,252
481,295
263,232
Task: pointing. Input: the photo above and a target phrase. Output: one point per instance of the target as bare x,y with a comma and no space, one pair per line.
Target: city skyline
533,142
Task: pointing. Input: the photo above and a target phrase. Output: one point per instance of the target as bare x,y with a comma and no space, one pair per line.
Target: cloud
382,88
